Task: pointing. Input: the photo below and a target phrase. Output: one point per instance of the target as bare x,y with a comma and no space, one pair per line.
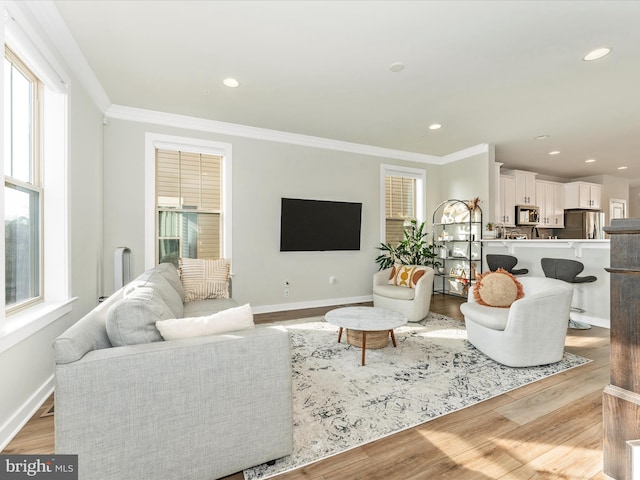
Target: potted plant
489,233
412,250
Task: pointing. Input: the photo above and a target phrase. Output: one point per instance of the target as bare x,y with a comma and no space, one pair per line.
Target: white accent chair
530,332
413,303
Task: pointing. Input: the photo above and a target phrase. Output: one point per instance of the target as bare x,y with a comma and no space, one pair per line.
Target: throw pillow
406,275
497,289
203,279
230,320
132,320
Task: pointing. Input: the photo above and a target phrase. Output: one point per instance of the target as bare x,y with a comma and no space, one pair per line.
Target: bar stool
496,261
567,271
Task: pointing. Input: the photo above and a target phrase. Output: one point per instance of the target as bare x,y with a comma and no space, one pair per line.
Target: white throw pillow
230,320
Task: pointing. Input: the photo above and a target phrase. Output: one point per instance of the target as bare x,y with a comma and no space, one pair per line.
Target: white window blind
400,206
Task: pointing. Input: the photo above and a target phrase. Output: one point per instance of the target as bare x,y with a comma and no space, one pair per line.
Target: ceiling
497,72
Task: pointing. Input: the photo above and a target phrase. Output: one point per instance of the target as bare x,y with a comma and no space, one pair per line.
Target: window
23,189
400,195
403,200
189,205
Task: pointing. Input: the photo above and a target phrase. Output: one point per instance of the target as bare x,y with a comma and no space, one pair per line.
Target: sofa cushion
171,275
497,289
231,320
204,278
132,320
165,290
199,308
391,291
406,275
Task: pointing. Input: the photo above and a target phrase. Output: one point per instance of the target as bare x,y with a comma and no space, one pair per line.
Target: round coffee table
365,320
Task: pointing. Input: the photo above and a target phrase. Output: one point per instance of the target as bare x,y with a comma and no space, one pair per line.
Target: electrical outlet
286,283
286,292
332,279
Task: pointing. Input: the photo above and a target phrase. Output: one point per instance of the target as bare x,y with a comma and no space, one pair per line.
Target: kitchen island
594,254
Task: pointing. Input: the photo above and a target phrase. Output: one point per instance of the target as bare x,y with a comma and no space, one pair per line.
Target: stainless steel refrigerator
582,224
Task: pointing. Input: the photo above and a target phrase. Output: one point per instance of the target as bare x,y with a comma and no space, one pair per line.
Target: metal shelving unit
457,231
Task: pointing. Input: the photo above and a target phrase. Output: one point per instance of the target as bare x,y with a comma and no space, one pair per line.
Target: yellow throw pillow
203,279
406,275
497,289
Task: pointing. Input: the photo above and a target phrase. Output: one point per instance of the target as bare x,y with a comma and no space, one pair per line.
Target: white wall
469,178
263,172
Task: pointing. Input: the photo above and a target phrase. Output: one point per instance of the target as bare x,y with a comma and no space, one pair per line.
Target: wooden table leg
364,343
393,338
339,334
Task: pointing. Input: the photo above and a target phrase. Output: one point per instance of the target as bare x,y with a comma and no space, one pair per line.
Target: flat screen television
319,225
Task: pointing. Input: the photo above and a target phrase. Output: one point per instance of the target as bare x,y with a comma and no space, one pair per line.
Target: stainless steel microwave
527,215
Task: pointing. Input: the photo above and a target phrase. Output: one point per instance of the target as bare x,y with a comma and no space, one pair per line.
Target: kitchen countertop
577,244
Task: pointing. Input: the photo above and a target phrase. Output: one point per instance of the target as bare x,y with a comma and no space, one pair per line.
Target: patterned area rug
339,404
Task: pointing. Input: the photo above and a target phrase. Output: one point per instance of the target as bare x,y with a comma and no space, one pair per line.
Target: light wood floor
550,430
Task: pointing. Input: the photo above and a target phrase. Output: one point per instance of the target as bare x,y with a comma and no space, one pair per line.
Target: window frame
408,172
19,35
35,185
155,141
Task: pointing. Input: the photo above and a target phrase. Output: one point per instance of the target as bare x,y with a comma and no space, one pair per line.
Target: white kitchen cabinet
544,202
507,214
550,199
558,205
582,195
525,187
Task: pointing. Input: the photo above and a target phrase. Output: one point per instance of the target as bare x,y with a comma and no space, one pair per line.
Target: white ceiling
498,72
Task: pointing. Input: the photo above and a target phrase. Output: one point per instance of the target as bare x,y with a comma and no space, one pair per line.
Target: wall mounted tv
319,225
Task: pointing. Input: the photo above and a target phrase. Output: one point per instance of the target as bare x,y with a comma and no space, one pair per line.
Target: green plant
412,250
489,227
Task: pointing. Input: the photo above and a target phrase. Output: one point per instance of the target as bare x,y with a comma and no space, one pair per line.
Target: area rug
339,404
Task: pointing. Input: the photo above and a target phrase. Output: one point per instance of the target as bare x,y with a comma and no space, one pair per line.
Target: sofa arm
218,404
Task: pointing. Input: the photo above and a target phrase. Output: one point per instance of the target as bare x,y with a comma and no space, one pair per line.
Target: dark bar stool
567,271
496,261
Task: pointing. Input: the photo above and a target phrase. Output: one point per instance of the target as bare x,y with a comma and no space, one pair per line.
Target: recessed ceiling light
555,152
596,54
396,67
435,126
542,137
231,82
622,168
591,160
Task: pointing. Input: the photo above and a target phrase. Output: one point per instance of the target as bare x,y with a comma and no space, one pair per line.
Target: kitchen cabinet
525,187
550,199
582,195
507,203
558,205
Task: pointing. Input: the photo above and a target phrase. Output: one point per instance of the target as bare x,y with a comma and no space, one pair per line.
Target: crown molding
466,153
134,114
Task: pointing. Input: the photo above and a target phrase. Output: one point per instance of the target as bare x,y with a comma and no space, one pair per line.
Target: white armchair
413,303
530,332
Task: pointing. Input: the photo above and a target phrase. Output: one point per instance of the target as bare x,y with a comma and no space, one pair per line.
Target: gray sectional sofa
144,408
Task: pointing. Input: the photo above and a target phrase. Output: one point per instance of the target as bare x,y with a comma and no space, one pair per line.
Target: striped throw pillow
204,279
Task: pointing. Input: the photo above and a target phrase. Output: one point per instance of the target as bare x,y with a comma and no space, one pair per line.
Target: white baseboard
311,304
11,427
